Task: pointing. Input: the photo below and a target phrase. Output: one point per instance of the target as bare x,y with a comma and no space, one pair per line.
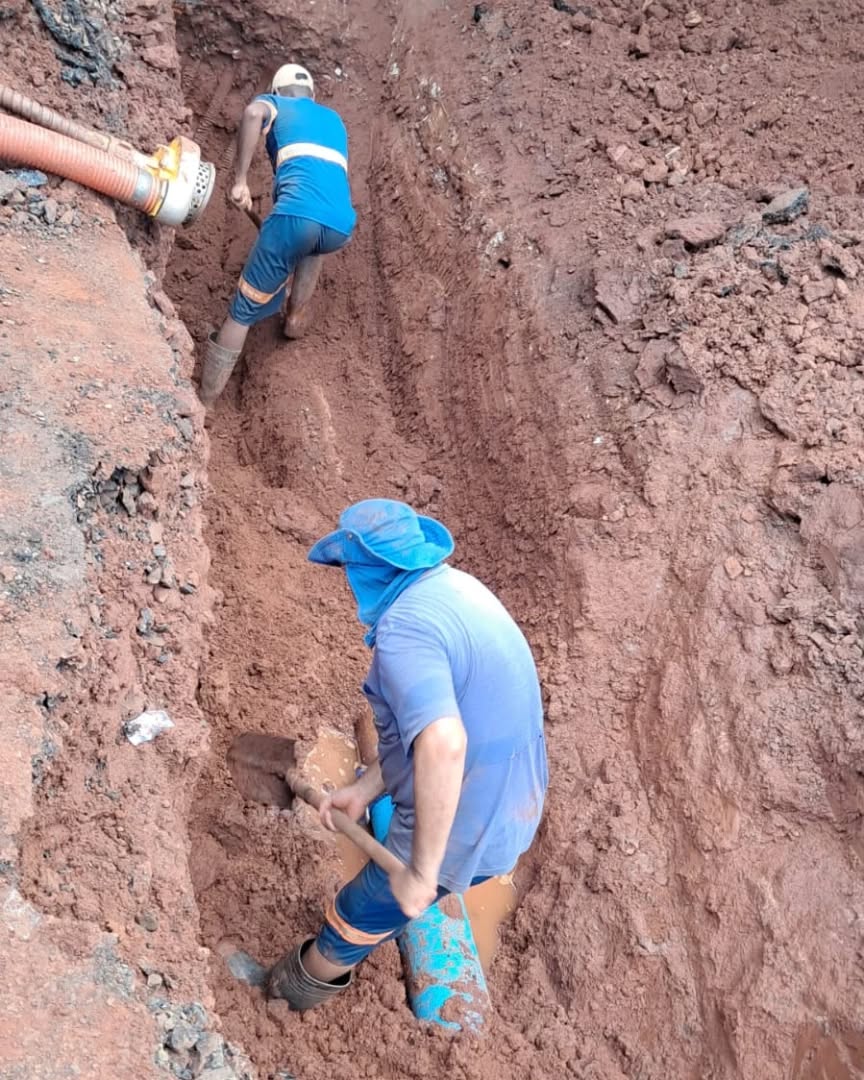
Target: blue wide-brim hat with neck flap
388,531
384,547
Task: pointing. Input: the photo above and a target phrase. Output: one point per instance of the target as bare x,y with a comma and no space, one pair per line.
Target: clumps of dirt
100,489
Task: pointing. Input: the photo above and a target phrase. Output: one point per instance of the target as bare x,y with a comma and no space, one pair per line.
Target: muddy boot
289,980
219,362
299,302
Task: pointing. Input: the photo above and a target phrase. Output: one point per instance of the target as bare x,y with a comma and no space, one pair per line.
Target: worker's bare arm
255,116
439,765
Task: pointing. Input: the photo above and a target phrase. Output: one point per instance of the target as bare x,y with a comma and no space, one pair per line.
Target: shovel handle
357,835
254,217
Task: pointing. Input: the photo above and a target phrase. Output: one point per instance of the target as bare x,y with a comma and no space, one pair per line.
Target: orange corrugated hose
28,109
27,144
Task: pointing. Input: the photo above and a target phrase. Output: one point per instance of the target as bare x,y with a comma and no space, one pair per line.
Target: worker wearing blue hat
457,707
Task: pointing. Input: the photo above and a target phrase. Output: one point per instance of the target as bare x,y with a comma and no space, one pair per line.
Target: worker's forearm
372,782
247,140
439,766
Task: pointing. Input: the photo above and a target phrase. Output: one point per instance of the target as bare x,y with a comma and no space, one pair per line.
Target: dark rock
242,966
30,177
786,207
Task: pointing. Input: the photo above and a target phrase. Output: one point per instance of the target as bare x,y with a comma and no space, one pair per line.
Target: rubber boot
290,981
302,288
219,362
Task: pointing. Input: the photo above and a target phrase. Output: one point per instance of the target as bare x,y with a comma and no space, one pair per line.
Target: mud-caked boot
300,300
290,981
219,362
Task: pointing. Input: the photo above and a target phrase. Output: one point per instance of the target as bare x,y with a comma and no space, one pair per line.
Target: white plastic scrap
147,726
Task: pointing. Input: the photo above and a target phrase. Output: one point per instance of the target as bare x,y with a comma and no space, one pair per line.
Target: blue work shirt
304,185
447,647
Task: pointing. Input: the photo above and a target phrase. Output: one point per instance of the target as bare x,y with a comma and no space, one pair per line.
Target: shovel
253,215
263,768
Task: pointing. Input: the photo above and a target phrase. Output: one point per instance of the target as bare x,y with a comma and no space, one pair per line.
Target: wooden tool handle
254,217
357,835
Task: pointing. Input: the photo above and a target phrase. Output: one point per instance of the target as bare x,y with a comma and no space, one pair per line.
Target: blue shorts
362,915
282,242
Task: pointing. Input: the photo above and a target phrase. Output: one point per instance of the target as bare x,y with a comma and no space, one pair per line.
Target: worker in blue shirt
457,707
312,214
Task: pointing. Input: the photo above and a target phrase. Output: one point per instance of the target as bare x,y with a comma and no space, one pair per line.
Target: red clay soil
573,325
101,478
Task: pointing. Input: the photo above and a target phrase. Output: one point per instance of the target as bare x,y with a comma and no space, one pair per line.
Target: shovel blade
258,764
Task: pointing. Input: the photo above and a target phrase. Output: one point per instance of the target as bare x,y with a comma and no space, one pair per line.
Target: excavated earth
577,323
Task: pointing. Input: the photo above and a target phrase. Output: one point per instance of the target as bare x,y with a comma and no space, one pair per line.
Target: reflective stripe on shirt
304,149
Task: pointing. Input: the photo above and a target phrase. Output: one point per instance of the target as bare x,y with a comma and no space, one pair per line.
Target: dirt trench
571,326
567,386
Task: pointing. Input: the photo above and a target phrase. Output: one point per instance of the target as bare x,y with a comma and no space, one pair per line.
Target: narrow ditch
303,429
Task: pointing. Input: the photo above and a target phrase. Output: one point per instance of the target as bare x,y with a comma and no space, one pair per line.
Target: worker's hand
241,196
350,800
413,892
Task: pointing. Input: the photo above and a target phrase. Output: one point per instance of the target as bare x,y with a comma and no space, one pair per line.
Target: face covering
375,586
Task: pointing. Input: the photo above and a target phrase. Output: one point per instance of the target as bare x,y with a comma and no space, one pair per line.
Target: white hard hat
292,75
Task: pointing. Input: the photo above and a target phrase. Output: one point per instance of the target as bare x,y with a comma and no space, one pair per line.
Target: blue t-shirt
305,185
448,647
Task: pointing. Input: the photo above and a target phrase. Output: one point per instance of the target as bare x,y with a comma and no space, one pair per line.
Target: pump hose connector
173,185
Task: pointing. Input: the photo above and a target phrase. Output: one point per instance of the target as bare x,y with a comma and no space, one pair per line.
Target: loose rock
669,96
656,173
144,626
164,303
147,921
182,1037
786,207
814,291
211,1050
733,567
8,184
698,231
147,726
626,160
704,112
833,257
